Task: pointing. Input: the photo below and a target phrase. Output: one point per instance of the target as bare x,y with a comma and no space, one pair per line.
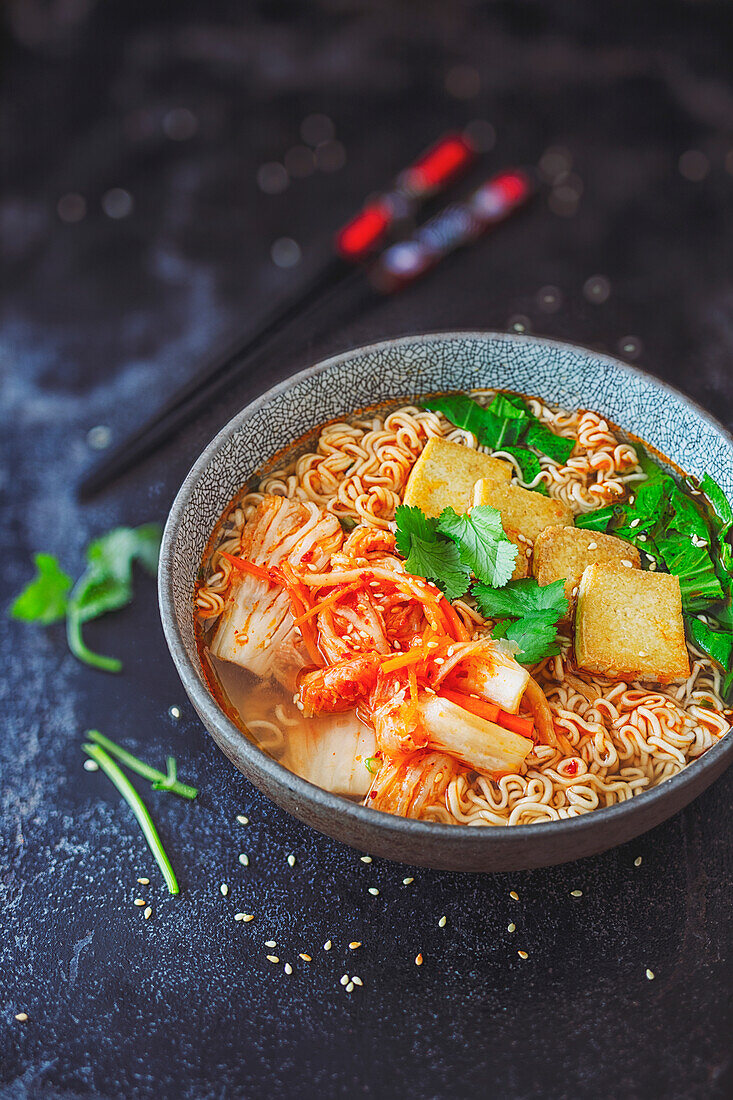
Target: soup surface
485,611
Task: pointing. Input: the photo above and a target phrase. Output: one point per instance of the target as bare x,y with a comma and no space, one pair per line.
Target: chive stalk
138,807
160,780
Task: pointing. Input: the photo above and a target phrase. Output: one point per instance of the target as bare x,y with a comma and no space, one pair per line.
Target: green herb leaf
427,554
520,598
483,546
44,599
534,634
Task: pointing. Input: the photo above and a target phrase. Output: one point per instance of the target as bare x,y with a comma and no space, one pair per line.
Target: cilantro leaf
44,599
482,544
534,634
427,554
520,598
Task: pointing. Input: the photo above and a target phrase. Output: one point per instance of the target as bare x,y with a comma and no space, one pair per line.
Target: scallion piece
160,781
138,807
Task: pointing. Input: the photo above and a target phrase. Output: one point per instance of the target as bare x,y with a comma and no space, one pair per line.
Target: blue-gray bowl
406,368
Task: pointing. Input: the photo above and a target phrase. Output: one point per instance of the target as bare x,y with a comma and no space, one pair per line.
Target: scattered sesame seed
650,974
272,959
592,546
21,1017
418,960
91,766
523,954
637,861
243,859
511,927
224,889
291,860
242,819
288,968
635,522
139,901
407,881
304,957
354,944
344,979
148,912
627,563
239,916
174,712
247,917
366,859
576,893
327,945
373,891
641,538
270,943
144,881
350,987
514,894
642,653
442,922
357,980
652,566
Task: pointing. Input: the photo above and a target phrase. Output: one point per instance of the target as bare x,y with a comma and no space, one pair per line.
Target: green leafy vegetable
44,599
159,780
720,504
482,544
717,644
534,634
138,807
596,521
530,467
557,447
105,585
693,565
520,598
429,555
504,423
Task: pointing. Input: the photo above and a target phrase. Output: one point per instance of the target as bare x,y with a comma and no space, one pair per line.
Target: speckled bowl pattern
407,368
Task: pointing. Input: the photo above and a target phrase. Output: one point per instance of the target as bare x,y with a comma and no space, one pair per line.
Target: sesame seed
239,916
139,901
327,945
288,968
366,859
523,954
243,859
272,959
144,881
291,860
344,979
627,563
576,893
418,960
407,881
357,980
641,538
354,944
242,819
224,889
304,957
652,566
642,653
247,917
514,894
637,861
442,922
635,522
511,927
21,1017
90,766
373,891
148,912
650,974
592,546
270,943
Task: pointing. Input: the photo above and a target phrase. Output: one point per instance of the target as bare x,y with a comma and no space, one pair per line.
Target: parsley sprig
527,614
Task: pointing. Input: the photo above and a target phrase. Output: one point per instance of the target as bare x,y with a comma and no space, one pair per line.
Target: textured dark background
179,105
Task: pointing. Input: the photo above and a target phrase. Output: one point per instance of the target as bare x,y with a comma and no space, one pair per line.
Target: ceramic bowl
406,368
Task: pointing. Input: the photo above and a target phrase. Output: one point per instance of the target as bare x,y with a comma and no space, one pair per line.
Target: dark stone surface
100,320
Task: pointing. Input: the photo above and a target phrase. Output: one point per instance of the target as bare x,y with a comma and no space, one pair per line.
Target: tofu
522,564
562,553
524,512
629,625
445,474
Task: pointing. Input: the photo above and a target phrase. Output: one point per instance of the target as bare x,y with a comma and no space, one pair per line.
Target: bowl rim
325,801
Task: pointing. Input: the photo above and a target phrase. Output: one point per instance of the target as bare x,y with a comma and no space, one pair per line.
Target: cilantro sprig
105,585
451,548
527,614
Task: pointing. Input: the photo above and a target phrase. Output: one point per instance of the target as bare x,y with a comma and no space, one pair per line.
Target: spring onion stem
160,780
78,646
138,807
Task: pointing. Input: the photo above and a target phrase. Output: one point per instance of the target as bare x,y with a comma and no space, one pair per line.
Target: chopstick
455,226
380,217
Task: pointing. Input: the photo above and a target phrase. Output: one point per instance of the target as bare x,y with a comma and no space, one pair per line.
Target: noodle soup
472,612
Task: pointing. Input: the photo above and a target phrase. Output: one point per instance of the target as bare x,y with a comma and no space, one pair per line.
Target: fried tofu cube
525,512
629,625
445,474
562,553
522,564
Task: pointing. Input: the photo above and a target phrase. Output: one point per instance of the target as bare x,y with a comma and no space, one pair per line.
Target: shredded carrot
299,599
479,707
245,566
333,598
516,723
456,627
412,657
412,680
